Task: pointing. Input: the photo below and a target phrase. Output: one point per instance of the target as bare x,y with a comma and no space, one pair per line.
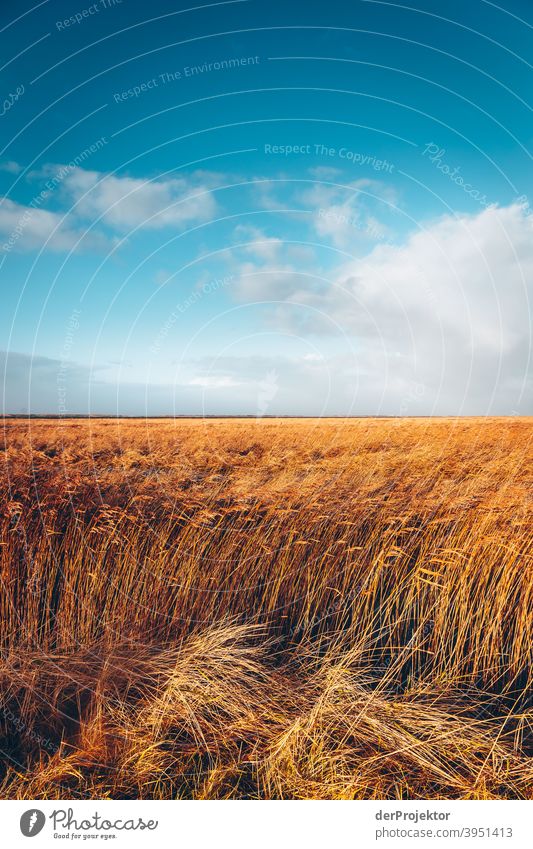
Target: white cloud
257,244
127,202
284,282
304,255
348,215
326,172
11,167
26,228
441,324
214,381
267,194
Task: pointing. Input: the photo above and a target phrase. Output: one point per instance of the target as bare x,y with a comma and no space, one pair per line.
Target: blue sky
309,208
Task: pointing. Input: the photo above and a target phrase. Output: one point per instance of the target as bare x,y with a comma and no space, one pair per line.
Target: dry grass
271,609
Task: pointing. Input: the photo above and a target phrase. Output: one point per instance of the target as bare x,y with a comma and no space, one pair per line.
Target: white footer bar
246,824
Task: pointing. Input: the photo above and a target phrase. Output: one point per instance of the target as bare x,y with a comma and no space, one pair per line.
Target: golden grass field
330,609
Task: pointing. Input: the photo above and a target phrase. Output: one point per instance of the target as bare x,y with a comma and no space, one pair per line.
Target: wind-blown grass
266,609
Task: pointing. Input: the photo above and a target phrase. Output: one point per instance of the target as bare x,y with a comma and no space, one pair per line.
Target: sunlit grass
266,609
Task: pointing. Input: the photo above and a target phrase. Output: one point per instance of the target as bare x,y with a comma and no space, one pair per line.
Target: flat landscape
275,608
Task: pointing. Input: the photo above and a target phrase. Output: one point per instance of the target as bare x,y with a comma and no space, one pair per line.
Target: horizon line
200,417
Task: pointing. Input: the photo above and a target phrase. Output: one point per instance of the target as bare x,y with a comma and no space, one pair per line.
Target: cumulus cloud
274,283
348,215
26,228
10,167
266,268
126,202
257,244
440,324
121,203
444,320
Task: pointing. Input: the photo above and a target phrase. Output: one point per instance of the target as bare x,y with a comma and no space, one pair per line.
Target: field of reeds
296,609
